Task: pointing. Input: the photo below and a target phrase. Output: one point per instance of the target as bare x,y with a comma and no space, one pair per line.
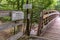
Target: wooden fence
10,24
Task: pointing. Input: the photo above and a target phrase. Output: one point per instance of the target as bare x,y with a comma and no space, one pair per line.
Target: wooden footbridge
48,28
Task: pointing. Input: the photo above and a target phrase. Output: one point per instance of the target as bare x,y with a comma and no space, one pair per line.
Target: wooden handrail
15,37
9,25
47,15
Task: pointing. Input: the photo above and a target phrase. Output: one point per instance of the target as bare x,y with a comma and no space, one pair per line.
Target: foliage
5,19
38,6
58,6
53,5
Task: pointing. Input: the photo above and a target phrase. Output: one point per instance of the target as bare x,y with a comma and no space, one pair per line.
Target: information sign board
17,15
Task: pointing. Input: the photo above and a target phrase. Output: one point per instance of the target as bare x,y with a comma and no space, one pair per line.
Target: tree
38,6
58,6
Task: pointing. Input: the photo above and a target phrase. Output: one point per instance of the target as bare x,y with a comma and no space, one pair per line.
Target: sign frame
27,6
17,15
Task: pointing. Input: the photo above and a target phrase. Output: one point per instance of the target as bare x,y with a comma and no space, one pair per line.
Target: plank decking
53,32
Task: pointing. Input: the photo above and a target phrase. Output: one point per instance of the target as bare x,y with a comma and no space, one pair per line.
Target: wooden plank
2,14
47,15
38,38
15,37
9,25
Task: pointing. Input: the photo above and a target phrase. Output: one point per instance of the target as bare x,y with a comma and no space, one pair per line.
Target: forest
37,7
35,17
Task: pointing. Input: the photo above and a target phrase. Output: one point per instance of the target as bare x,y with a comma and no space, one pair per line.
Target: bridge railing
48,17
45,21
12,24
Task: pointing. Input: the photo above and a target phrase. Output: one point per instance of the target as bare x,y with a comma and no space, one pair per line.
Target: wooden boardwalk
9,25
15,37
53,33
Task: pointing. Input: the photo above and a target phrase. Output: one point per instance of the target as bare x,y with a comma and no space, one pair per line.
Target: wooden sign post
27,6
17,15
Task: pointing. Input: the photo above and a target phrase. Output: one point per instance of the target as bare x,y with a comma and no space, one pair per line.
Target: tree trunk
18,6
27,26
